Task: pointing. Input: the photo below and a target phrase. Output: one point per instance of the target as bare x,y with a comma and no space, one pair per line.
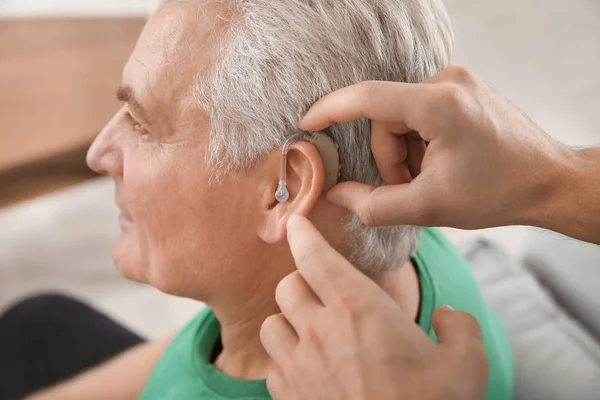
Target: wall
47,8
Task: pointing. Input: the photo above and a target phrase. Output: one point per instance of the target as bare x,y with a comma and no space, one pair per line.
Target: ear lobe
273,229
305,178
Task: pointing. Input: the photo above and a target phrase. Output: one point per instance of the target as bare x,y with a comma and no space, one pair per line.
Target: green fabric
184,370
445,278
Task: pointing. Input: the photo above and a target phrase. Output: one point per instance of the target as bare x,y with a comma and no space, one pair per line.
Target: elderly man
211,92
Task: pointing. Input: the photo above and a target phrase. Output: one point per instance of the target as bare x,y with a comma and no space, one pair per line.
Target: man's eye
136,126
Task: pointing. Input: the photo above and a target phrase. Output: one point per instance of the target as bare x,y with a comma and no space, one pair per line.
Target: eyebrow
125,94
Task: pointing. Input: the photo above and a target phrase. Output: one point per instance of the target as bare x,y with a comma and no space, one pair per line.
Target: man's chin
135,265
127,260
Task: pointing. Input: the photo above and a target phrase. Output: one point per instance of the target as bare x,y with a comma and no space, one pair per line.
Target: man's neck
402,285
243,356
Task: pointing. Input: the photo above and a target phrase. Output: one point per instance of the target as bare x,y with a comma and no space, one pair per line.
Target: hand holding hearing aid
485,164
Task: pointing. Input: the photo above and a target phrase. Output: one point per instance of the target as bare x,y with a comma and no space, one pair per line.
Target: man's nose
104,155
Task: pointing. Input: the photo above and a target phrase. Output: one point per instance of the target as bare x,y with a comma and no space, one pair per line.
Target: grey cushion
554,356
571,271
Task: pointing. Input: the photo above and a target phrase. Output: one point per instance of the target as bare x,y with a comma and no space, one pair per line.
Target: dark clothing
49,338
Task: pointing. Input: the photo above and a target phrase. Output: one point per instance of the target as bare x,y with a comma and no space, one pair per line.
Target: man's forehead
168,29
189,22
176,44
179,35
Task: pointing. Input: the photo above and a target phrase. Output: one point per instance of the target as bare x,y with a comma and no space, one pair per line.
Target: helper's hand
486,164
340,336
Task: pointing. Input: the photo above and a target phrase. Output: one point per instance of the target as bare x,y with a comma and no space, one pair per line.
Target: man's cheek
141,196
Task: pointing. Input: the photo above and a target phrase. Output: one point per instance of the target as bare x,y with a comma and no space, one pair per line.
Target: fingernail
300,123
305,117
448,307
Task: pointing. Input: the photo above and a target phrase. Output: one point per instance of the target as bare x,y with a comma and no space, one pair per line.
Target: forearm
122,377
573,206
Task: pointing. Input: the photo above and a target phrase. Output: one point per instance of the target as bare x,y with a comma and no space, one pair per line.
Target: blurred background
60,63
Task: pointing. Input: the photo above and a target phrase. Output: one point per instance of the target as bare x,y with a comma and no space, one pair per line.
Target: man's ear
305,177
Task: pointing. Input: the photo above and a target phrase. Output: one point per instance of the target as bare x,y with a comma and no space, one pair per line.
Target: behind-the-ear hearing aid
328,150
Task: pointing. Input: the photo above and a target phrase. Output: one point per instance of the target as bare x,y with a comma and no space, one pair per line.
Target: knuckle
365,213
364,91
347,309
462,74
284,287
267,327
270,325
368,86
451,96
281,290
341,303
311,336
368,211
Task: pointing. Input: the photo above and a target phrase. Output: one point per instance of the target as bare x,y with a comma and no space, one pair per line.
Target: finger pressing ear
327,272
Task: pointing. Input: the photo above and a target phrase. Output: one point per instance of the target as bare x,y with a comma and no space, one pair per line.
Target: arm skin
340,336
122,377
485,164
573,207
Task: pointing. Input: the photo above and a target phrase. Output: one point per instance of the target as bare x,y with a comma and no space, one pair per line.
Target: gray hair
276,58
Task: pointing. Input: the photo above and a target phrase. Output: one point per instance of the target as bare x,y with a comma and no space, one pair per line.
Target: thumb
455,329
461,345
459,335
354,197
385,205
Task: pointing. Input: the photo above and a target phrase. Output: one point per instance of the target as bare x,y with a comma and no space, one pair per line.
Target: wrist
571,204
559,168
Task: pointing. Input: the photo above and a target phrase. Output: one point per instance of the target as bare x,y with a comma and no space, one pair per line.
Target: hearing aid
329,152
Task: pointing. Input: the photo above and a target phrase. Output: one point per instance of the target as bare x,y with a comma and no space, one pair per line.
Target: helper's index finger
326,271
391,102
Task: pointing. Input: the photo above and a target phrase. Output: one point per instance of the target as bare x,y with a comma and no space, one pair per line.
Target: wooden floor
57,83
